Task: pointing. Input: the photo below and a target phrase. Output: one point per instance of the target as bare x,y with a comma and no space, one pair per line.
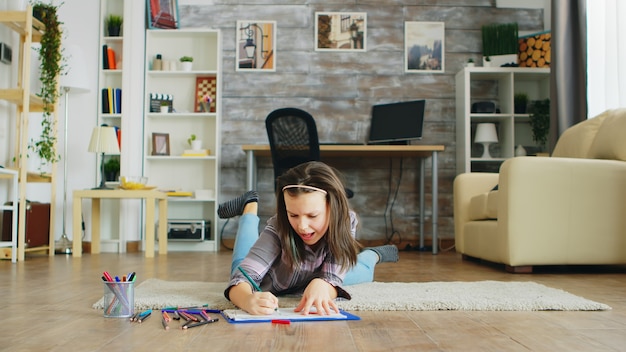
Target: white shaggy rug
383,296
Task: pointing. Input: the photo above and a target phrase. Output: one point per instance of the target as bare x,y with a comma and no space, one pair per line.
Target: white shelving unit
12,191
498,85
174,171
122,220
109,78
30,31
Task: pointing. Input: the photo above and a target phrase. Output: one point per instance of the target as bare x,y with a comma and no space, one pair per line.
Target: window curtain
568,83
606,44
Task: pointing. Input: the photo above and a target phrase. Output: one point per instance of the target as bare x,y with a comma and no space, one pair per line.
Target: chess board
205,85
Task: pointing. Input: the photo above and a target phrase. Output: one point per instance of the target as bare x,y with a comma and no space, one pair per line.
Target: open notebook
239,316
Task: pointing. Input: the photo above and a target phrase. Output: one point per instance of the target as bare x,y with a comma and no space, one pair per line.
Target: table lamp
104,141
485,135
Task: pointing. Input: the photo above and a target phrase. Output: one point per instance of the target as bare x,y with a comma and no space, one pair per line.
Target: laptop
397,123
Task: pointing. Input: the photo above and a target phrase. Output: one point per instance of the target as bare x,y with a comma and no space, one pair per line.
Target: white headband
304,186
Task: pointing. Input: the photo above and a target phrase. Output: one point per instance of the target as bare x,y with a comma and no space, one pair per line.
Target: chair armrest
465,187
559,210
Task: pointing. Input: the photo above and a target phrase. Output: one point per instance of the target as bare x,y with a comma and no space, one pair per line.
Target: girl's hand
256,303
260,303
321,295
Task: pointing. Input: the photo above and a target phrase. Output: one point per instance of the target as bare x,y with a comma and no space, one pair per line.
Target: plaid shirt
265,265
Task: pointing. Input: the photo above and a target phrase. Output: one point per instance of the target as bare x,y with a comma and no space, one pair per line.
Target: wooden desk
96,194
364,151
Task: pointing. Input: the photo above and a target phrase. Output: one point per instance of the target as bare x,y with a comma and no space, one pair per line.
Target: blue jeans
248,233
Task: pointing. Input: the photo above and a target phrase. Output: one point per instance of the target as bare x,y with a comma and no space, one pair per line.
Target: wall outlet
5,53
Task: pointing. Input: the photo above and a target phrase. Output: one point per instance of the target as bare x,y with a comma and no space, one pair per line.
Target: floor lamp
75,82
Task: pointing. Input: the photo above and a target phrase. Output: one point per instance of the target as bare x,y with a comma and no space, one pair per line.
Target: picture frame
340,31
161,144
205,86
256,46
162,14
424,47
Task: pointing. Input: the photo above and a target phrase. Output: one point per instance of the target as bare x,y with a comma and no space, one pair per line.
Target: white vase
520,151
196,144
165,109
186,66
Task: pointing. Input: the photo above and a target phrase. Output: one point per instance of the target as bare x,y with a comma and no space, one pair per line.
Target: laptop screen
397,122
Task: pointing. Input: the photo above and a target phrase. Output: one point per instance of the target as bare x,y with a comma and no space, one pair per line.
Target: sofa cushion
484,206
576,141
610,142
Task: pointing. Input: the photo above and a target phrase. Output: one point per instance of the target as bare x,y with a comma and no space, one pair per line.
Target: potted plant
196,144
540,121
112,169
165,106
470,62
186,63
520,102
114,25
51,66
500,44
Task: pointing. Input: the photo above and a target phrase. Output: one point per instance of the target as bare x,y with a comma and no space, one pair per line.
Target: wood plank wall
339,88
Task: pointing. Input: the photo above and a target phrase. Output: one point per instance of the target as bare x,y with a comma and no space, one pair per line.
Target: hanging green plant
51,65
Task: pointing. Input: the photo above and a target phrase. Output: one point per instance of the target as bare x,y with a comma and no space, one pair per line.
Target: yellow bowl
133,182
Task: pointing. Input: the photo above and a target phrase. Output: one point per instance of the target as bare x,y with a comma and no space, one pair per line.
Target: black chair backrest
293,138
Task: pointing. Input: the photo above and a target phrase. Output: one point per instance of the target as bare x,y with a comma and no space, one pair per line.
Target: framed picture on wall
162,14
340,31
160,144
424,47
206,94
256,46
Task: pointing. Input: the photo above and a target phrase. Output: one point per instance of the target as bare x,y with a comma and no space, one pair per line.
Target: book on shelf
200,152
111,57
118,134
111,100
105,57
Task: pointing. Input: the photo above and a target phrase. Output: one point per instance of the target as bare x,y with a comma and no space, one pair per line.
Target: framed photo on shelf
340,31
256,46
206,93
160,144
424,47
162,14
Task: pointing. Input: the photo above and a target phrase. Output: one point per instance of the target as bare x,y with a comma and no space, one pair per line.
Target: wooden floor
46,305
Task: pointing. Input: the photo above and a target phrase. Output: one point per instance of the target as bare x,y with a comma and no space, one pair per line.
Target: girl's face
308,215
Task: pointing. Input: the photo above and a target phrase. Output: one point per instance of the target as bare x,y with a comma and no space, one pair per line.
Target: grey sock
235,206
387,253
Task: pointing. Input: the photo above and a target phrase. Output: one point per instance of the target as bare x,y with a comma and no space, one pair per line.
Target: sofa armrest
465,187
562,210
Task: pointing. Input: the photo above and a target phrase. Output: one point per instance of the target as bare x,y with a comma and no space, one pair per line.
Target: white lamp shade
486,133
76,78
104,140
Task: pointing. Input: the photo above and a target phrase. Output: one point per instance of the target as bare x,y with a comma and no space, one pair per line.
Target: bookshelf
498,85
110,73
184,175
30,31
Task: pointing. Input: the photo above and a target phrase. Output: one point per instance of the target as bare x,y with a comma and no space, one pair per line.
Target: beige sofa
568,209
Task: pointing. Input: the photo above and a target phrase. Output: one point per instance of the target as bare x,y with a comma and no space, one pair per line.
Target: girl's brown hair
343,247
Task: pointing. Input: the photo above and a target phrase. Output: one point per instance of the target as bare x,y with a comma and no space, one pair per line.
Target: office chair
293,140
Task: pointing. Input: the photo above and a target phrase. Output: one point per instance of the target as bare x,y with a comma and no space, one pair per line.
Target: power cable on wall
389,207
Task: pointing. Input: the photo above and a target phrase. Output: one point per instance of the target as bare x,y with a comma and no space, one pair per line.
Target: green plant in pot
112,169
51,66
114,25
540,121
500,39
520,103
186,63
